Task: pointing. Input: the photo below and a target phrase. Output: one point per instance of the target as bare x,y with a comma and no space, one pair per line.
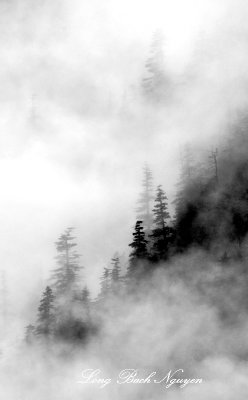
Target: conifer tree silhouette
46,318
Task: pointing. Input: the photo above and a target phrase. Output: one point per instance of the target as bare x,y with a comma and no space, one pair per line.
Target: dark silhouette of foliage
185,180
162,234
214,214
211,215
160,210
46,318
139,246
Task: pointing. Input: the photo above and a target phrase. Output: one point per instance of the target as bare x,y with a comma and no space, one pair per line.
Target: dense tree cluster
212,206
211,213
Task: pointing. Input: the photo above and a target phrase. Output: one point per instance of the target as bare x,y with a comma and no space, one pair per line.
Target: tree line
210,212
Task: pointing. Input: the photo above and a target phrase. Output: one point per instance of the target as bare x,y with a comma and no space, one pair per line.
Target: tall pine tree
115,273
46,318
155,84
162,233
85,296
66,275
139,253
86,303
105,284
116,279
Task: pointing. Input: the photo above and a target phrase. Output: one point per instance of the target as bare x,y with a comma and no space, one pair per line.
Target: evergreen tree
156,85
193,179
115,273
191,201
116,279
146,196
105,284
30,334
160,208
85,301
139,246
85,296
162,233
45,322
66,275
214,165
70,325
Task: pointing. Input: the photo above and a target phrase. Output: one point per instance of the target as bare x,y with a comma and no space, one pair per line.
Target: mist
170,324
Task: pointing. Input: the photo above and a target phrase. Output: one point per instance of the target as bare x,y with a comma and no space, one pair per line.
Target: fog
75,134
168,325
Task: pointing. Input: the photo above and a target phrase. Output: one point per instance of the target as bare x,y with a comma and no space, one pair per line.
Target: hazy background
74,135
69,155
